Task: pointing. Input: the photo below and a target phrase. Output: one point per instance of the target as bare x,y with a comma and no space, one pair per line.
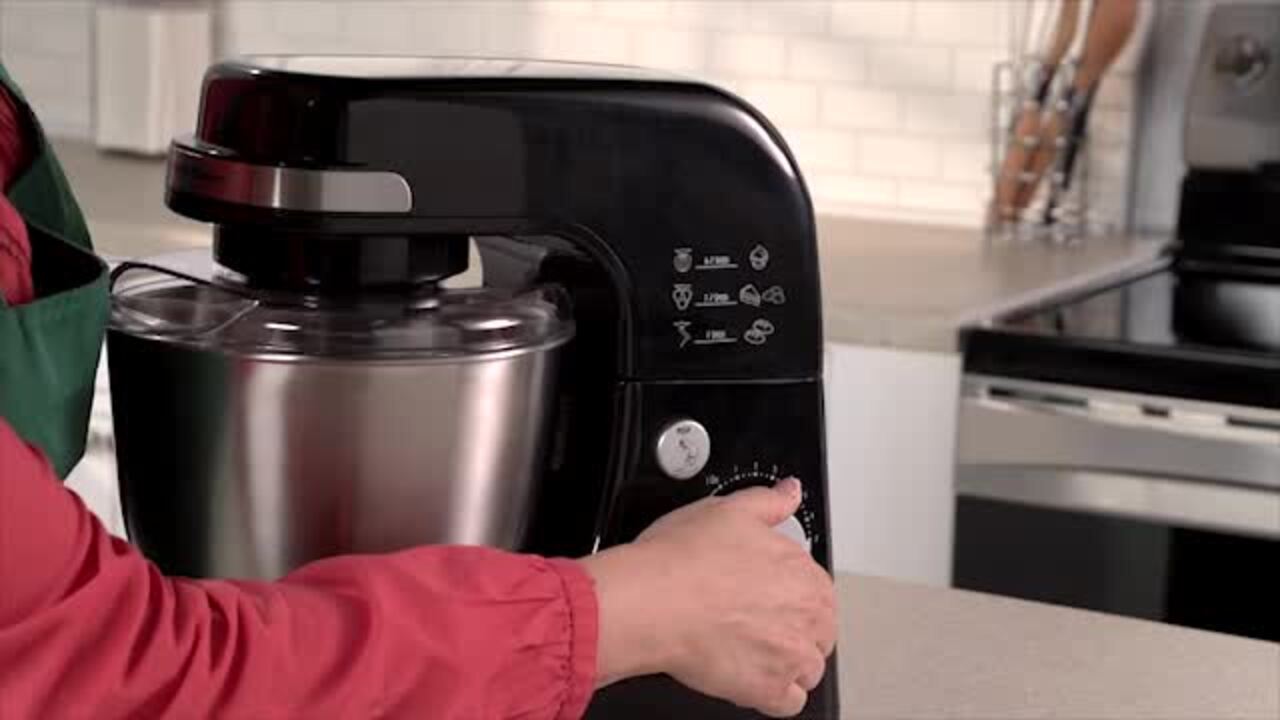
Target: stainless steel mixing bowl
253,437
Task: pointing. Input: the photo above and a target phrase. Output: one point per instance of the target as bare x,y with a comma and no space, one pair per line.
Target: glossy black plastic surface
683,193
1231,216
670,211
1170,574
760,432
1206,326
1190,335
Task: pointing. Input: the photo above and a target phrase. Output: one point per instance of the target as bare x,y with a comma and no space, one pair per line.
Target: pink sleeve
15,250
88,627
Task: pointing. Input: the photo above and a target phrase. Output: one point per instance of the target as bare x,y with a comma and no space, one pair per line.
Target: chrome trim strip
977,386
1172,501
286,188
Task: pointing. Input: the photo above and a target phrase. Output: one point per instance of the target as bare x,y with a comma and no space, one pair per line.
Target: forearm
435,632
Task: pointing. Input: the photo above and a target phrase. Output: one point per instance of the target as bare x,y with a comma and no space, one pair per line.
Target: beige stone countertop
884,283
911,652
913,286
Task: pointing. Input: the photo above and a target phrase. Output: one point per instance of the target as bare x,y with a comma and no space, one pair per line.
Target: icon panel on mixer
715,337
759,332
715,300
682,295
716,262
683,260
682,328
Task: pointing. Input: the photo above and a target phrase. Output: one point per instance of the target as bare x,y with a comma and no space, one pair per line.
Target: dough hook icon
759,332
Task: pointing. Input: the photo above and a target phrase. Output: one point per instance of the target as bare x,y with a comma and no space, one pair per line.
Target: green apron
49,347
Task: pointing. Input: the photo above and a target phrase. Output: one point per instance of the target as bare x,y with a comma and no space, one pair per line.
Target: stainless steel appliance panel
236,466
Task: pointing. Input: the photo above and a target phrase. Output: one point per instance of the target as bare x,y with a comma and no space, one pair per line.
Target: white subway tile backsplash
966,162
570,8
966,116
485,28
860,108
846,189
826,60
974,67
61,27
301,18
384,24
748,54
874,19
677,50
1109,127
962,22
898,156
634,11
884,102
788,102
244,27
789,17
718,14
578,40
906,66
57,90
820,150
1107,167
1116,91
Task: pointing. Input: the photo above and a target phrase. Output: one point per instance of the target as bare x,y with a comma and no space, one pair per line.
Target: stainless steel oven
1120,449
1150,506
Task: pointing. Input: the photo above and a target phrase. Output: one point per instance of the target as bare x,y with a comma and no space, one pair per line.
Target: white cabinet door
891,429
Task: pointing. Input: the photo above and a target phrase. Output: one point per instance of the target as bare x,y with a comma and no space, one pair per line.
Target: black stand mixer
648,331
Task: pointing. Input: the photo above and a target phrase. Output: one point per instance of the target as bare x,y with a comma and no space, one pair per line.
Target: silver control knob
683,449
793,530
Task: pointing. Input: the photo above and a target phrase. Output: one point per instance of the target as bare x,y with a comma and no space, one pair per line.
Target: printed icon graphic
682,327
682,295
775,295
749,295
759,332
759,257
683,261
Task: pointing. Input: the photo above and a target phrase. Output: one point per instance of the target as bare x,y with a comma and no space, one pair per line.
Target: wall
47,47
884,102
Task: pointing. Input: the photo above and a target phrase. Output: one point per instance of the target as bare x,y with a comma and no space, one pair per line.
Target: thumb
770,505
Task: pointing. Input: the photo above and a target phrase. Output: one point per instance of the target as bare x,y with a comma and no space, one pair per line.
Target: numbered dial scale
801,527
696,440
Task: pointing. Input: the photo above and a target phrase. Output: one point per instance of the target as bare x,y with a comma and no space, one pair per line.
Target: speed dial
801,527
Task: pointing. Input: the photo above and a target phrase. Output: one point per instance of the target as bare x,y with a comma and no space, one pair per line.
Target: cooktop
1172,331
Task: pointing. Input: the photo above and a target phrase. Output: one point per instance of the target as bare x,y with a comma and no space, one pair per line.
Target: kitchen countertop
912,287
884,283
911,651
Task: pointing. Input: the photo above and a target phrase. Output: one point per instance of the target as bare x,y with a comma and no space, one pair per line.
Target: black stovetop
1175,331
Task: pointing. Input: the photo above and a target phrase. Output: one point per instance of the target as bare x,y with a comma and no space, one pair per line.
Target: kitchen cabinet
891,429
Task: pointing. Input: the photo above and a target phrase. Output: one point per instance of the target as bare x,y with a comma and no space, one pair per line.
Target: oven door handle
1230,509
1073,448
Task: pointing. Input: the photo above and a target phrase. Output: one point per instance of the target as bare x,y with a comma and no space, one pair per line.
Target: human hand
711,595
